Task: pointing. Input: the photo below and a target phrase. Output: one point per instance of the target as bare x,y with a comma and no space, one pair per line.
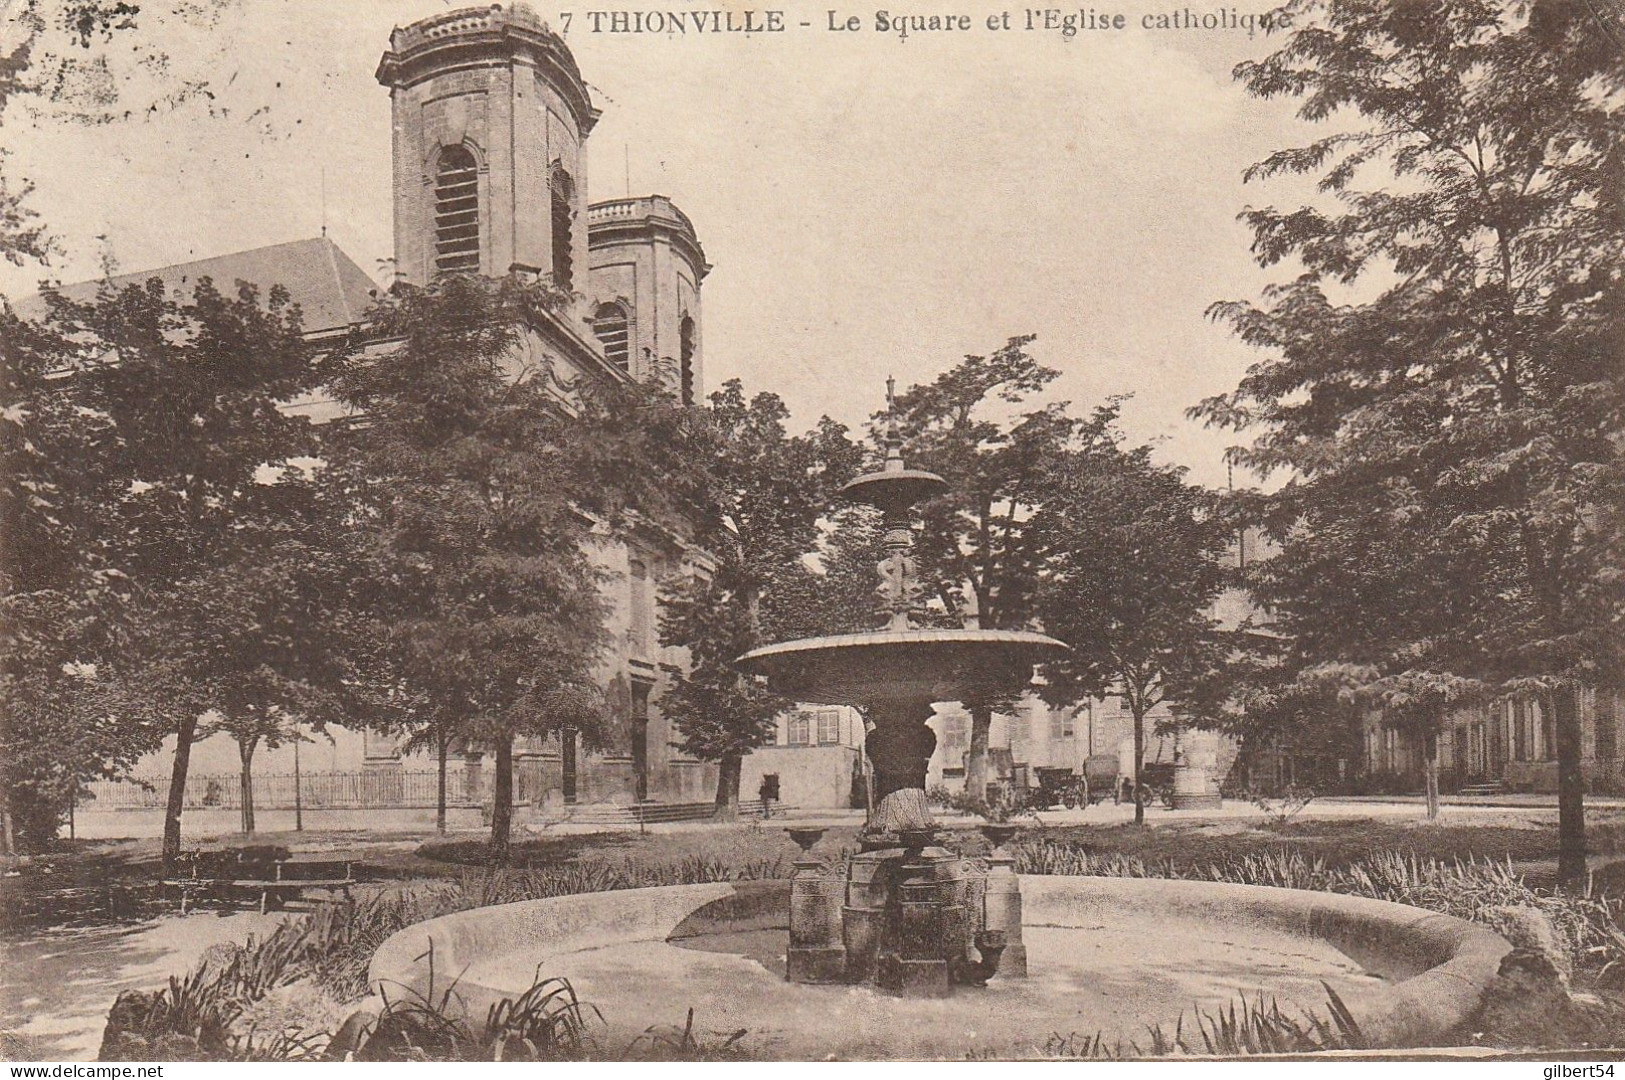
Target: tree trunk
502,801
1430,748
1571,825
177,790
245,751
981,727
440,789
1139,756
728,775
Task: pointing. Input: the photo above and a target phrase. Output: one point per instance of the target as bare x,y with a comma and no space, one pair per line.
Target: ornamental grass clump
507,885
1241,1029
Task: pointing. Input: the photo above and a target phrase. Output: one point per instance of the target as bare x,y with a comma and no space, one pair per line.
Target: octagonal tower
490,120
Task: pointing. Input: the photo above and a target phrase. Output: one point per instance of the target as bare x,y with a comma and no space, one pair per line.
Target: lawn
1445,866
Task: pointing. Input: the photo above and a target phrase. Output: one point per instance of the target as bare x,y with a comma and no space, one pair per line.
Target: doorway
567,764
640,740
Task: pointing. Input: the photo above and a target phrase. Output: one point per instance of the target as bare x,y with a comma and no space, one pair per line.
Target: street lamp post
298,795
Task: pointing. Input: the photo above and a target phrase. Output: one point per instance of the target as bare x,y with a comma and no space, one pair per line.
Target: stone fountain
906,914
860,959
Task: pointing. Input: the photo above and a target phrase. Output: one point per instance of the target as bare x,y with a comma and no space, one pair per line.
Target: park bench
270,872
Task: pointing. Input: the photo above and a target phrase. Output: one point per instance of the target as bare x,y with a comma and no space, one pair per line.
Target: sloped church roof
333,293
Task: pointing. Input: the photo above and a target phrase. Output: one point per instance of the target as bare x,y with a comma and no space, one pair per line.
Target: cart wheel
1070,799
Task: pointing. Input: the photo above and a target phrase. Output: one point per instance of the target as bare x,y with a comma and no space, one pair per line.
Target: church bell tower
490,120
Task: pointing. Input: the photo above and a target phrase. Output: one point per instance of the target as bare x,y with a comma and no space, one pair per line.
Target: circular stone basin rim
1020,640
1438,966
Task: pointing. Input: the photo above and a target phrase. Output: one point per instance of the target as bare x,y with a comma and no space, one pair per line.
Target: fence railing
275,791
382,790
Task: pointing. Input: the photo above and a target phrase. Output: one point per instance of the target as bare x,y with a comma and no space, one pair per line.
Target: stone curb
1436,967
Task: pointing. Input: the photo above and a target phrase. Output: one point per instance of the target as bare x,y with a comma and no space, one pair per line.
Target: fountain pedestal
924,939
1193,780
1001,905
817,952
869,876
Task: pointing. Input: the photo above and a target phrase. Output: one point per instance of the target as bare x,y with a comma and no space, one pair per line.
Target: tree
975,553
1420,701
482,492
64,718
835,589
766,494
437,734
1281,704
174,408
265,640
719,714
1131,565
1471,383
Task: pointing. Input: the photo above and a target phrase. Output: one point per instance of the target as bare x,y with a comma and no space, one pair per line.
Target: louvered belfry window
609,326
457,212
685,339
563,220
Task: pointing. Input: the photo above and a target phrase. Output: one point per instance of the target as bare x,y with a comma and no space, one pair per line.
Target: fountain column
900,749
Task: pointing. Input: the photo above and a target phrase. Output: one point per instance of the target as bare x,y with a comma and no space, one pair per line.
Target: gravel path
56,987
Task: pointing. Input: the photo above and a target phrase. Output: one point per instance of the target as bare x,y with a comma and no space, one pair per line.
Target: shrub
548,1022
1008,803
506,885
1281,807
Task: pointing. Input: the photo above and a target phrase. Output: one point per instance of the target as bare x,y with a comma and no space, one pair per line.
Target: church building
491,119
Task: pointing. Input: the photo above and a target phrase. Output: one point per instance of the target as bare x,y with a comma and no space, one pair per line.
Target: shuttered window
457,212
563,242
686,366
610,327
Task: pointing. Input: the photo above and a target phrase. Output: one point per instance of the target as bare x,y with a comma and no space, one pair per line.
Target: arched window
563,196
609,326
685,342
457,212
641,621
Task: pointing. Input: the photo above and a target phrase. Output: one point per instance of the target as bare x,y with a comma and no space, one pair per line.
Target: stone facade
495,89
647,262
1035,736
1509,744
497,83
814,762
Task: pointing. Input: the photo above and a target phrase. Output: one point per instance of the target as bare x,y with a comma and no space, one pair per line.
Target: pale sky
870,205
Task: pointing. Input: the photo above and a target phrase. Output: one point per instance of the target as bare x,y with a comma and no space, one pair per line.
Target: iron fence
381,790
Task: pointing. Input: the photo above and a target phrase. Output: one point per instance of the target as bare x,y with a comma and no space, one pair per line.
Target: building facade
815,761
1036,735
1508,745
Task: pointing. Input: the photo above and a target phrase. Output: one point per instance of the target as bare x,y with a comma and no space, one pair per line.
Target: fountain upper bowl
917,665
895,487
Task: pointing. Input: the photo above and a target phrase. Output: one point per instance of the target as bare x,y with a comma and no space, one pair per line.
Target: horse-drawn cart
1099,779
1060,787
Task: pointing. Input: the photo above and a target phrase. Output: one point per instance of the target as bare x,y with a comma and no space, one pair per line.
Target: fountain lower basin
1105,955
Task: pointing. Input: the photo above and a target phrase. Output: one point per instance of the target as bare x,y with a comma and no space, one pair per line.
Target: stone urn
806,838
998,833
